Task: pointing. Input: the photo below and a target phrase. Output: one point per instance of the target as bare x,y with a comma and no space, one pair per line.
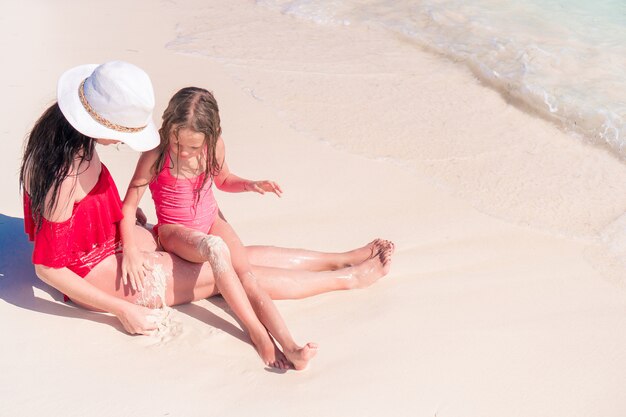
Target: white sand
503,299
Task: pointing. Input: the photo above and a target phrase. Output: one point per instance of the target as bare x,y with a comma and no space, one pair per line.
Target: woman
72,210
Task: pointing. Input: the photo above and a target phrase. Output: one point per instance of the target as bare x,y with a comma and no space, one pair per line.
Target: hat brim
77,116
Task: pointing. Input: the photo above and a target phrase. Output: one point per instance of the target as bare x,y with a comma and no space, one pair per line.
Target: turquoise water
565,59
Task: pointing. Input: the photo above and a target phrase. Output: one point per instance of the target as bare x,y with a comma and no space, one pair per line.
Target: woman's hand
262,187
134,268
137,319
140,217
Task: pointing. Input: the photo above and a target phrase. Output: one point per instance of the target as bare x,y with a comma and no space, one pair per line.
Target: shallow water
563,58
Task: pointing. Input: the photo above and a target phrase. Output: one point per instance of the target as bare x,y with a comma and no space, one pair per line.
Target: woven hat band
104,122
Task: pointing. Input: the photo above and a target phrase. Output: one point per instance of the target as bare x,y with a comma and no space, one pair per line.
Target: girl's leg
302,259
198,247
261,302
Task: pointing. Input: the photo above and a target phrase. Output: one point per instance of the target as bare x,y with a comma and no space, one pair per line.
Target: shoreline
421,110
510,59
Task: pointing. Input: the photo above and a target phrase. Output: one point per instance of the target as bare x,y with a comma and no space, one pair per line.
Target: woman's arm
133,317
133,269
231,183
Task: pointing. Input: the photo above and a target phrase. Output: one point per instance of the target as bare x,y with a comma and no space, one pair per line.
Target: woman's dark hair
52,148
196,109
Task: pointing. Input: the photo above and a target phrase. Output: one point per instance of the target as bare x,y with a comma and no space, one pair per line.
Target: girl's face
187,144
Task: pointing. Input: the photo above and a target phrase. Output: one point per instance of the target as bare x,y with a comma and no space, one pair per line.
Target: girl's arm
231,183
133,268
133,317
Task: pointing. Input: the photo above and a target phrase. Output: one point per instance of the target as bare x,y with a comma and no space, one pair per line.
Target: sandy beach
506,296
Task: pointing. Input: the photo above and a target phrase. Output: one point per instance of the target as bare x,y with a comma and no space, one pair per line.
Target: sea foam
564,59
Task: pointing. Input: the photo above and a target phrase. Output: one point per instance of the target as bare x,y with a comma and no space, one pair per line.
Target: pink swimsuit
176,200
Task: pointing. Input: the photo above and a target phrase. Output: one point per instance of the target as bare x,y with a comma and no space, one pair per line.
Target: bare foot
387,244
369,251
281,361
269,352
301,356
381,245
370,271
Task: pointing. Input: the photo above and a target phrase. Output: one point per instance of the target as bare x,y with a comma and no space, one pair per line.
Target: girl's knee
216,251
216,245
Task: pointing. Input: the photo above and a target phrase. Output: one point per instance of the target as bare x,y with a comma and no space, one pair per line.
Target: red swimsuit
90,235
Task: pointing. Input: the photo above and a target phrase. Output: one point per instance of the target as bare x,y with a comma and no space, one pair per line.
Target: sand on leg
198,247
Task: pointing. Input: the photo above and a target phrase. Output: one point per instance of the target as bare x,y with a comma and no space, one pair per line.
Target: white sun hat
113,100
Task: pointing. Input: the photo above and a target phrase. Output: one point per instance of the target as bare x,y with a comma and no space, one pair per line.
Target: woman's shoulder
65,198
80,178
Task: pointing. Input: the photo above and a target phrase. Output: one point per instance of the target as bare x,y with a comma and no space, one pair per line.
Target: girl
180,173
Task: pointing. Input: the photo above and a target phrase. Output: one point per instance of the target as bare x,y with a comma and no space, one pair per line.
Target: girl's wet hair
196,109
52,148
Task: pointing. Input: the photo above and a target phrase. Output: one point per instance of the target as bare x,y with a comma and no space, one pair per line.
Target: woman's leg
192,281
308,260
184,281
292,284
261,302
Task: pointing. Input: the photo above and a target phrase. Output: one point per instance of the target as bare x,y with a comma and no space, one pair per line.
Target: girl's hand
137,319
262,187
134,268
